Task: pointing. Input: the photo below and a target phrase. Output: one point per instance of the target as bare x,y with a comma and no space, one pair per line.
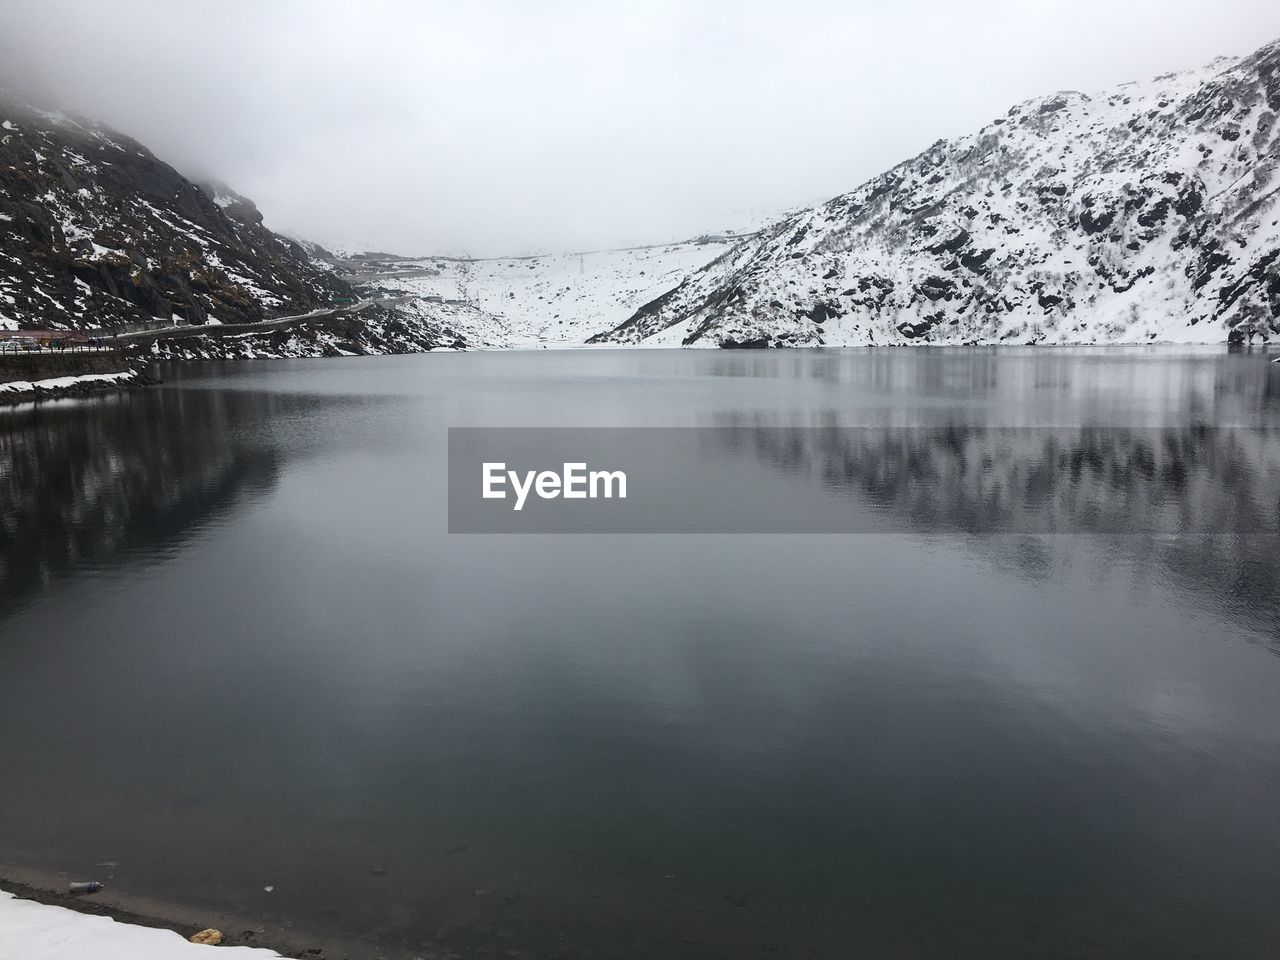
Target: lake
240,649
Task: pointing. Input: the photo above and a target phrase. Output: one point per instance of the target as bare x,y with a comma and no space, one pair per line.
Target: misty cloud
499,127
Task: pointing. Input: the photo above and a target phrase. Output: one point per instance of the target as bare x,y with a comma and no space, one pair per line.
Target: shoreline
256,937
68,922
20,392
17,392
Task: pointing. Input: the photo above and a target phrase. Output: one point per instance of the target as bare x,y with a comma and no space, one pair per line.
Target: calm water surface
238,648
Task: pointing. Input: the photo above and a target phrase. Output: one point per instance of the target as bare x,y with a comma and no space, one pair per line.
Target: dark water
238,648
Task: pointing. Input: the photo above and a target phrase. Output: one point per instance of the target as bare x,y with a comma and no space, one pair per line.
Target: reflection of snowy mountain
123,479
1087,479
1194,505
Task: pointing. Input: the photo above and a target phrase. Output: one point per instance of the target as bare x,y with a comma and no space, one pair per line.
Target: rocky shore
61,388
58,926
41,919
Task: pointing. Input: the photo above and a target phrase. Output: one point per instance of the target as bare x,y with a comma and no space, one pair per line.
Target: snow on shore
38,931
62,383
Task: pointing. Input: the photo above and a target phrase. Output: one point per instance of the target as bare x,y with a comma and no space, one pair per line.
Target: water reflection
970,479
92,484
1200,503
659,746
1130,387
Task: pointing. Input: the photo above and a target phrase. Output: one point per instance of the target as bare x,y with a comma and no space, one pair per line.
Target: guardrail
16,350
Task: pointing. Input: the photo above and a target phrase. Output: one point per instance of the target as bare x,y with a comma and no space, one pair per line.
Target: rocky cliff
96,232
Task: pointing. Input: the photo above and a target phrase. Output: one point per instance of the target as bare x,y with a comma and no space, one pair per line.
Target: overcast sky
513,125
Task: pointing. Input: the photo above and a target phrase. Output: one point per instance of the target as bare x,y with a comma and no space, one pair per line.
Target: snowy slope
563,298
1146,213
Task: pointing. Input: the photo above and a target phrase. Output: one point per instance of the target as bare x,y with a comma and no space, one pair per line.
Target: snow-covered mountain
549,299
1146,213
94,229
96,232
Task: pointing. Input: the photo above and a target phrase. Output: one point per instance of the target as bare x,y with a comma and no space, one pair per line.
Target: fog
502,127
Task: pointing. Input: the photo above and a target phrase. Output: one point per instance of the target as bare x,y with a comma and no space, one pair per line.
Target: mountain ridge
1141,214
98,233
1146,213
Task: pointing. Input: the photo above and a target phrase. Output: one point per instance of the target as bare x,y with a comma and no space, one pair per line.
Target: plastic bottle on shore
92,886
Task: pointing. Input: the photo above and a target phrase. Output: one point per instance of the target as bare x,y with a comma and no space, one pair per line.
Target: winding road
275,323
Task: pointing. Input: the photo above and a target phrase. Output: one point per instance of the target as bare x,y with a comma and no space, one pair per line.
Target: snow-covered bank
55,388
38,931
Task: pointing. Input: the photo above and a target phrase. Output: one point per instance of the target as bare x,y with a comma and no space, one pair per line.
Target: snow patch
39,931
58,383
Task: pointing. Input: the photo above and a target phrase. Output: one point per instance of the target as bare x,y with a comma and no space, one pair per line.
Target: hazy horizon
500,128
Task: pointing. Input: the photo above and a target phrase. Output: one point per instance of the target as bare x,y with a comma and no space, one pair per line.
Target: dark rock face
49,364
97,231
1151,212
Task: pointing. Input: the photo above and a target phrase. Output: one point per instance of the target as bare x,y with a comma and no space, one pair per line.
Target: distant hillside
536,300
94,229
1148,213
97,232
